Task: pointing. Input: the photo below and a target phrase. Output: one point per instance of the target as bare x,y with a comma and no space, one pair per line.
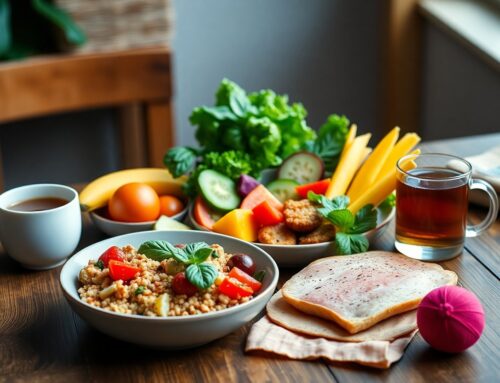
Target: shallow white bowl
302,255
173,332
113,228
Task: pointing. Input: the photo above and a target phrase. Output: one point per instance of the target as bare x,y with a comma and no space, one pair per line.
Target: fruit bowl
302,255
170,332
103,222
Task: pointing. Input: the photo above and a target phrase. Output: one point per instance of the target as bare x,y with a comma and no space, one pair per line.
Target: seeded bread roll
358,291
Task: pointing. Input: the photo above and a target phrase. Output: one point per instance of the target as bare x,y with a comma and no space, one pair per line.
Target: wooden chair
138,82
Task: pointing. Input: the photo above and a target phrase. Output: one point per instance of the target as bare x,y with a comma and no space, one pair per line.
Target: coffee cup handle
475,230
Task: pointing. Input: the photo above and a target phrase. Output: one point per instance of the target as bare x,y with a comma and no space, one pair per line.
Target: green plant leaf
342,218
201,275
160,250
61,19
200,255
5,28
260,275
180,160
350,243
366,219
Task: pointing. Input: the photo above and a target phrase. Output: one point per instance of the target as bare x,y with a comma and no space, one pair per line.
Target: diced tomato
243,277
234,289
266,215
122,270
257,196
181,285
203,215
319,187
114,252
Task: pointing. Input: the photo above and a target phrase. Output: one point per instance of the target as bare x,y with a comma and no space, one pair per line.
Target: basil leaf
155,250
366,219
180,255
195,246
342,218
99,264
201,275
350,243
200,255
180,160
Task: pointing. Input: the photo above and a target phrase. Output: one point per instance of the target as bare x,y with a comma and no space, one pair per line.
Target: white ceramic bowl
113,228
173,332
302,255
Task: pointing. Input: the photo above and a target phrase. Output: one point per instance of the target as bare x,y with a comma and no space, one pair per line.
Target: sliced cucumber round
218,190
283,189
303,167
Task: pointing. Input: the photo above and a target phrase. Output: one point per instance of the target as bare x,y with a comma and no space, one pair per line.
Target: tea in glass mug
432,204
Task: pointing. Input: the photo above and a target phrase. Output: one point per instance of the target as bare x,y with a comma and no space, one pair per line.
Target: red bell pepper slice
267,215
121,270
234,289
114,252
243,277
318,187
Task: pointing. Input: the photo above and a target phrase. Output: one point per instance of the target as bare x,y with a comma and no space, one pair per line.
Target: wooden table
41,339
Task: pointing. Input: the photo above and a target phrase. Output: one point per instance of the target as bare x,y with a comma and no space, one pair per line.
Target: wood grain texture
42,340
57,84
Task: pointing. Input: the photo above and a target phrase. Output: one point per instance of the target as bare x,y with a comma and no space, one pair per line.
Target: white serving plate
170,332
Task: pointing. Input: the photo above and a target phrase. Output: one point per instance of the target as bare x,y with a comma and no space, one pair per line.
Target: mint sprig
200,273
348,238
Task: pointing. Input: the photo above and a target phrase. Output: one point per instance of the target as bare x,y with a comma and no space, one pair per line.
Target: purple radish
246,184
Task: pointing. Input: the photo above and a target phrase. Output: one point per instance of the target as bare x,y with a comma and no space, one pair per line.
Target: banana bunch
97,193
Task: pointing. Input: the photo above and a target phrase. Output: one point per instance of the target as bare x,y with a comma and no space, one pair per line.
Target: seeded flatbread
283,314
360,290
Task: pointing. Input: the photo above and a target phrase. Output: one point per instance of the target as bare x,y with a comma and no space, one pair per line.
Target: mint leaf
342,218
366,219
340,202
350,243
201,275
156,250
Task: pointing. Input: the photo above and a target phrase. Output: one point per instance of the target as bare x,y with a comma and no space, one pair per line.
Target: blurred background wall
326,54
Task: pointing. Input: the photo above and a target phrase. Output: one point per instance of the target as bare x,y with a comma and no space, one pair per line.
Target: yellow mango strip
384,186
351,135
368,172
403,146
347,167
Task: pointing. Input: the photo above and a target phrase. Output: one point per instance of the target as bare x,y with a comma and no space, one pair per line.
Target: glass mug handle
475,230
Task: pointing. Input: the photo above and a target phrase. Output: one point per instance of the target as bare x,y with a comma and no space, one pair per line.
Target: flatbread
360,290
283,314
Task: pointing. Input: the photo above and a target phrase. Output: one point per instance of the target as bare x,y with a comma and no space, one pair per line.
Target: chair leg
133,136
160,132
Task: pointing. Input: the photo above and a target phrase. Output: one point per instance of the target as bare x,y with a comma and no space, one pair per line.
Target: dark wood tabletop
41,339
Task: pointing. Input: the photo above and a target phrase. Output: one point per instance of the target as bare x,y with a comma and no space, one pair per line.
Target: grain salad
161,279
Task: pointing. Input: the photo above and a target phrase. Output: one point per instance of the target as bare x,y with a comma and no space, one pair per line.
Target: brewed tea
431,213
38,204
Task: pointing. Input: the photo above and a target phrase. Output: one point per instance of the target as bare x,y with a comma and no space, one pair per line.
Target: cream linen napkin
267,336
485,166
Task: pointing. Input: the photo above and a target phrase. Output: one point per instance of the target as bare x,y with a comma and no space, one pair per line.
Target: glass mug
432,204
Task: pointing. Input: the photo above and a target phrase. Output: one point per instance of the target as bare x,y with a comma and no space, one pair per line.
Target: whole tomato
134,202
170,205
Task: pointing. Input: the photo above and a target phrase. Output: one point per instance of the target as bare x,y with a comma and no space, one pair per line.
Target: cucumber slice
218,190
167,223
283,189
303,167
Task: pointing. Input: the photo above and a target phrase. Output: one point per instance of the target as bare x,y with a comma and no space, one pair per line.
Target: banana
97,193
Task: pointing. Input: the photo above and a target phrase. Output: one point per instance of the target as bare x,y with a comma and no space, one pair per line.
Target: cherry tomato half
182,286
122,270
234,289
243,277
114,252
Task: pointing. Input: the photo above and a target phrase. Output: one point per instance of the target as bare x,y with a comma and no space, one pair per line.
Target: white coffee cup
40,239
